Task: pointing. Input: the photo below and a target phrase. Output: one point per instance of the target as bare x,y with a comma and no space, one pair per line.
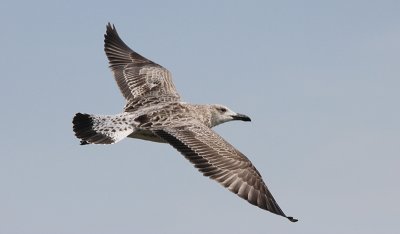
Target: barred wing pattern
136,76
217,159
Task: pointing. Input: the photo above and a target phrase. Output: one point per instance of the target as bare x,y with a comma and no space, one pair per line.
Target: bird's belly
146,135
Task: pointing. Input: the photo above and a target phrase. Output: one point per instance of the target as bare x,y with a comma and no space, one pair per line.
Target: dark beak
241,117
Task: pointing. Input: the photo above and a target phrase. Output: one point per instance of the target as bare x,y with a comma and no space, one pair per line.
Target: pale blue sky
320,80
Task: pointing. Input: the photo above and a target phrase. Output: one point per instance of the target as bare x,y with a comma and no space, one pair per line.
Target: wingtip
292,219
110,25
110,28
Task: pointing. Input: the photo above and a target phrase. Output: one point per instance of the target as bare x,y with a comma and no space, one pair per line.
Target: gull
155,112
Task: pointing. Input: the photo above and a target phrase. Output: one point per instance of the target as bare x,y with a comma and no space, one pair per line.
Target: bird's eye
223,110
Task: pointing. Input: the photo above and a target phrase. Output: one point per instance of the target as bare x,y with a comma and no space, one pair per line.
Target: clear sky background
320,80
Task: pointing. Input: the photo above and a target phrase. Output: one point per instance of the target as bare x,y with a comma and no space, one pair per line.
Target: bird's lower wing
217,159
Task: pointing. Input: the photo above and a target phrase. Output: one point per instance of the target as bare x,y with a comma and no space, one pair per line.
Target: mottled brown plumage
154,112
137,77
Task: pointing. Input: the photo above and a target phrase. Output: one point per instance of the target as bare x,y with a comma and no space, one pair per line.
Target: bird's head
221,114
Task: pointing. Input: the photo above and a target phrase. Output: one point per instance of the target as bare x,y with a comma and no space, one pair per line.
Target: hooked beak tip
241,117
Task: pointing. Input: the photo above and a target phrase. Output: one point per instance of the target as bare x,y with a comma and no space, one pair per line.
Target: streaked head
221,114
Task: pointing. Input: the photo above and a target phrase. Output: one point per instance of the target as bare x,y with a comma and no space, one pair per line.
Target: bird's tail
101,129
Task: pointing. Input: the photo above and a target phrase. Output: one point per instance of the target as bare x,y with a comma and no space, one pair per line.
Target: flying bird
154,112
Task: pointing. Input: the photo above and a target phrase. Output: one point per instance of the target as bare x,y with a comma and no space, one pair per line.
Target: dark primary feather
217,159
136,76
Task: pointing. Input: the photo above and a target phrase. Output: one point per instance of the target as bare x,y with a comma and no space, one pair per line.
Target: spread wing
136,76
217,159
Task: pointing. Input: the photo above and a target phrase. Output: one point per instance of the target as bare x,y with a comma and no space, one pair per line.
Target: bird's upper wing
217,159
136,76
